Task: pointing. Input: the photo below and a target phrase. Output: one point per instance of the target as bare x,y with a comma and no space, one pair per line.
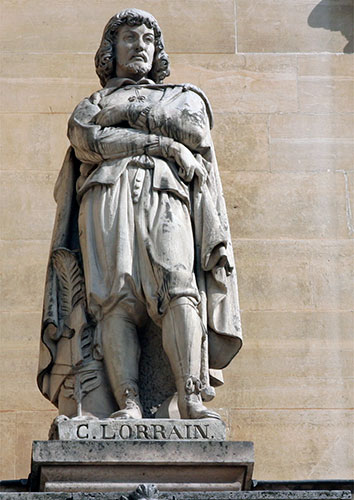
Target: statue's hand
113,115
188,164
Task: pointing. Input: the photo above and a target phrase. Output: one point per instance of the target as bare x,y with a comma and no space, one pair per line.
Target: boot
121,352
190,400
182,338
129,403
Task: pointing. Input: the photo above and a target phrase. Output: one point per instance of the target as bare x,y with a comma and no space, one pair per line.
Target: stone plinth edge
227,495
174,466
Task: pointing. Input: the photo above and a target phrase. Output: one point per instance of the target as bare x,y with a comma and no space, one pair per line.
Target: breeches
137,246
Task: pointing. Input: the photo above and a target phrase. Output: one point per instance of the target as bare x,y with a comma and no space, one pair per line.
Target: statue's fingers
189,174
202,175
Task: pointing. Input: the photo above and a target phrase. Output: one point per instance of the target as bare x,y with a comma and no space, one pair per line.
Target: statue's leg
182,338
121,352
106,224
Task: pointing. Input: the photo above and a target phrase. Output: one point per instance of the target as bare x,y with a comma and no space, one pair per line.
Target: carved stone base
176,466
153,429
140,494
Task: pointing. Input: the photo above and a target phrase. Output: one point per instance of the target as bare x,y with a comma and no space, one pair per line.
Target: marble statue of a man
141,235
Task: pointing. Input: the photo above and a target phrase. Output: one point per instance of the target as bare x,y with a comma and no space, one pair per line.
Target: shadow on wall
335,15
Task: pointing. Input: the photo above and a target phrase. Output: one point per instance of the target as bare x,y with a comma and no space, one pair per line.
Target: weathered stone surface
311,142
19,330
42,146
31,425
326,65
23,273
312,435
332,275
77,66
311,126
268,495
202,25
325,83
308,275
247,83
91,452
294,26
18,429
305,205
79,429
310,154
233,83
227,495
8,444
119,466
27,207
22,364
325,95
305,358
48,95
241,142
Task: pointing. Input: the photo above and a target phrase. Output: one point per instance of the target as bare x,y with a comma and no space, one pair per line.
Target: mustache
140,55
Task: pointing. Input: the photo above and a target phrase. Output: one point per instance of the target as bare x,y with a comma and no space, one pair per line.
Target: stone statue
141,246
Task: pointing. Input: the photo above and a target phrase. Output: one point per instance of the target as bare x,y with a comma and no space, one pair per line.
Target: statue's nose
139,44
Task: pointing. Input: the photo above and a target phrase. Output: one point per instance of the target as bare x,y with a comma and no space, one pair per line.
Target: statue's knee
184,300
178,287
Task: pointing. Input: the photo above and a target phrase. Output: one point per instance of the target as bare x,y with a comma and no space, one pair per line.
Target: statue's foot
193,408
190,401
129,402
131,410
127,414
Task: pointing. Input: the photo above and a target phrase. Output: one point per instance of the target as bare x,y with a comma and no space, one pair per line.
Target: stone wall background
279,76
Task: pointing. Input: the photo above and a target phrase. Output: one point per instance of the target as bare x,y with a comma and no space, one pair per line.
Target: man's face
135,49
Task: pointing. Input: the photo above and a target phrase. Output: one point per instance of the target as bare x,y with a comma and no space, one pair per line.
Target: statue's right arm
94,143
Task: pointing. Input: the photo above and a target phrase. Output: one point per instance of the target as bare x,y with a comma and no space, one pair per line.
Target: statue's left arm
181,114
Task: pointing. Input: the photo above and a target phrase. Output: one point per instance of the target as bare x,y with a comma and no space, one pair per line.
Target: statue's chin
137,69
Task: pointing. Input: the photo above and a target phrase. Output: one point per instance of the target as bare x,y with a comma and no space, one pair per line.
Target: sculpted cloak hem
214,264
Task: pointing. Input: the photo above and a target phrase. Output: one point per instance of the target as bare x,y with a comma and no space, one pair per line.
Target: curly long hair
105,58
